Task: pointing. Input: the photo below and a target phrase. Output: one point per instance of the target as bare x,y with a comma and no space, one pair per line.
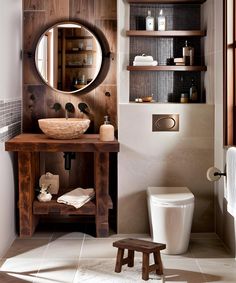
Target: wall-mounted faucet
69,109
83,107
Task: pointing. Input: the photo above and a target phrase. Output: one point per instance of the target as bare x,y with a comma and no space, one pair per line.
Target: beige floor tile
60,271
64,249
68,235
19,270
98,248
102,270
208,248
27,248
182,270
218,270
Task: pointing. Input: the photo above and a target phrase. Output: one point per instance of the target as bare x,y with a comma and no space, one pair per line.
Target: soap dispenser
106,132
161,21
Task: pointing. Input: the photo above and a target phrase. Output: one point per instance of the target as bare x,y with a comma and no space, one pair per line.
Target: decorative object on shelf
44,195
188,54
77,197
184,98
179,61
193,95
106,131
144,60
161,21
150,25
138,100
50,181
170,61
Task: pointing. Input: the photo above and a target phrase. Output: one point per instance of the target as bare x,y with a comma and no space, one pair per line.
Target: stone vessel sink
62,128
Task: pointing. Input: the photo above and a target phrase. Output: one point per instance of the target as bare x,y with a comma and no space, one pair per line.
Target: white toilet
170,216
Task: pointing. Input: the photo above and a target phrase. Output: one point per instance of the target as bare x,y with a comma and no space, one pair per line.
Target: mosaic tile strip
10,119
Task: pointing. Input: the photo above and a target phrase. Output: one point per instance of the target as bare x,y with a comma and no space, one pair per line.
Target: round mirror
68,57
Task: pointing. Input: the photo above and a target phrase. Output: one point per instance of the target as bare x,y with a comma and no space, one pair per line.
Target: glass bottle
161,20
149,21
106,131
193,95
186,53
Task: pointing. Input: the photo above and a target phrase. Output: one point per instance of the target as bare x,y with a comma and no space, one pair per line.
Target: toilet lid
170,195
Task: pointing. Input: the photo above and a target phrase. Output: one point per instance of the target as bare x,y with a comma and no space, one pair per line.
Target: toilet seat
170,196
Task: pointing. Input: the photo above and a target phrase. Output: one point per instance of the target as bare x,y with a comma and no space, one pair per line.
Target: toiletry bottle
161,20
193,95
106,132
186,53
149,21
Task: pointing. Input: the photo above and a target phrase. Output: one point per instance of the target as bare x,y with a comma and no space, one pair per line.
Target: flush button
165,122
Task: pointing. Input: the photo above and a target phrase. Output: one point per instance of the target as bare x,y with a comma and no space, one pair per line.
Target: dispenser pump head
161,12
106,120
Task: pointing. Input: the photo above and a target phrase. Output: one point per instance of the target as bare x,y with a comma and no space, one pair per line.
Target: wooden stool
146,248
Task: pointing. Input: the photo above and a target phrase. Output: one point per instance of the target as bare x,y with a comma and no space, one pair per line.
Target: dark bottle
193,95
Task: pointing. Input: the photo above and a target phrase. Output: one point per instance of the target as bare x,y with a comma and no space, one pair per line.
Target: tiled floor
77,257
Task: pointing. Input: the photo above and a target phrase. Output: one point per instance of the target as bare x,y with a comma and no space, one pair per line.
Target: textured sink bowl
62,128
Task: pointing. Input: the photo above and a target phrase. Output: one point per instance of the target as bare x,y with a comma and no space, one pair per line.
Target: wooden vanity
28,147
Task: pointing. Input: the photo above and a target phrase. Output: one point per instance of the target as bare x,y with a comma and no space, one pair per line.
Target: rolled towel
77,197
153,63
230,193
143,58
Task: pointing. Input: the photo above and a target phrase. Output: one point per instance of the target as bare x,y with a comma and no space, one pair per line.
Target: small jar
184,98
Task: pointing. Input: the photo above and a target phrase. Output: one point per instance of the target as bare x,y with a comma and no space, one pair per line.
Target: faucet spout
69,107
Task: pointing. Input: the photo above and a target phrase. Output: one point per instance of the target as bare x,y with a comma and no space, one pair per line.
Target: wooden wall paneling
81,173
33,105
56,10
34,25
109,28
82,10
106,9
34,4
30,74
55,164
106,105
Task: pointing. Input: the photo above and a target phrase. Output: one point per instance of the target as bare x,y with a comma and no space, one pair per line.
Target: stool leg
157,260
145,269
119,260
130,258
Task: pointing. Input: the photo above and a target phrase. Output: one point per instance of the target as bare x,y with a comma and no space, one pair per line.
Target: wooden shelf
79,66
166,33
53,207
167,68
80,51
166,1
78,37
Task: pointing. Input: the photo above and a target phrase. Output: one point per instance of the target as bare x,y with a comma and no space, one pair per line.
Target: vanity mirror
68,57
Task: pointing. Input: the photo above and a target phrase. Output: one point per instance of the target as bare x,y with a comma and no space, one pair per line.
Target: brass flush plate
165,122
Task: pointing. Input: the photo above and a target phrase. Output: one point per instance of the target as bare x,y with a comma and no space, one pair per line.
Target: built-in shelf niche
165,82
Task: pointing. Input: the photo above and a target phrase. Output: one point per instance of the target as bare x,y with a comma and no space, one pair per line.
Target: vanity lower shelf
53,207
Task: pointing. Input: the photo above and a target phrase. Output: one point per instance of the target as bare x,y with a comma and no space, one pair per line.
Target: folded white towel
77,198
230,193
153,63
143,58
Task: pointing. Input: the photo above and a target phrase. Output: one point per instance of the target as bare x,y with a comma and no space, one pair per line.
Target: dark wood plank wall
38,98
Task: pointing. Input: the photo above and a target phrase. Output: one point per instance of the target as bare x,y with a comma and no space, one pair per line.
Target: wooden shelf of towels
53,207
168,68
166,33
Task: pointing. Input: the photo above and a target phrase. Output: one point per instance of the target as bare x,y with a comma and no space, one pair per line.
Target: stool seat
146,247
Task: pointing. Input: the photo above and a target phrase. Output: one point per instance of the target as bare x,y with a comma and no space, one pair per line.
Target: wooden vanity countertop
41,143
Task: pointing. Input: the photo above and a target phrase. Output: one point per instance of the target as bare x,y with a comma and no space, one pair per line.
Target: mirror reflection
68,57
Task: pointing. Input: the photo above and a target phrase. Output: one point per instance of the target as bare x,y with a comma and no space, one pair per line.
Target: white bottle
149,21
161,21
106,132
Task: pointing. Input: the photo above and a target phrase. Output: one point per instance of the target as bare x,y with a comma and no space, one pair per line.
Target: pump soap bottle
106,132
